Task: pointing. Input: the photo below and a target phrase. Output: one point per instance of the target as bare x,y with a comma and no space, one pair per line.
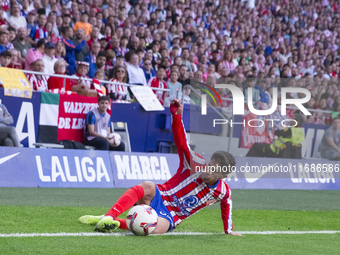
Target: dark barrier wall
25,167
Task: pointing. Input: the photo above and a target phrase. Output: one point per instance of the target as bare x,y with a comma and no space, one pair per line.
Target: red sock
127,200
122,223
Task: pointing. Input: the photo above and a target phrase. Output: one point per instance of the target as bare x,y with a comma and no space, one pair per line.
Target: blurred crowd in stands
165,43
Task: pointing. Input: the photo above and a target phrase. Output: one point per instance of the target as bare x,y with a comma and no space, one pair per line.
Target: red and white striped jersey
185,193
38,84
155,83
120,91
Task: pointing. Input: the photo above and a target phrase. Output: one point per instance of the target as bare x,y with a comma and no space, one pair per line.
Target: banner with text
72,114
15,83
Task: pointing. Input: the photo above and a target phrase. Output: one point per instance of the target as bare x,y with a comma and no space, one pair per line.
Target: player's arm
188,158
226,212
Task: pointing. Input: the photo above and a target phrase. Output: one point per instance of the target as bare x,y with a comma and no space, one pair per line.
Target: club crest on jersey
190,201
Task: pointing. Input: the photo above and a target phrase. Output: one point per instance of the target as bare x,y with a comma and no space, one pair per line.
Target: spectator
148,71
83,24
136,74
186,95
94,36
16,20
71,50
49,59
3,19
114,45
183,75
174,86
51,37
116,91
91,58
79,37
103,43
134,45
110,60
35,54
158,82
38,82
40,31
5,58
123,43
330,144
97,127
15,60
58,82
21,44
3,40
210,74
82,70
11,36
250,83
99,65
60,50
185,59
8,134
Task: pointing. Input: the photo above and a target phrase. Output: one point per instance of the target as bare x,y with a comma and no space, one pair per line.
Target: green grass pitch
39,210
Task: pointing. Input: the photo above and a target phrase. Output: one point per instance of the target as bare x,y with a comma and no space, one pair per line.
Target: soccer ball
114,139
142,220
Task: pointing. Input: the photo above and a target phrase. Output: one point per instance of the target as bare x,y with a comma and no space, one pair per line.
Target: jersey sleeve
188,158
90,118
226,212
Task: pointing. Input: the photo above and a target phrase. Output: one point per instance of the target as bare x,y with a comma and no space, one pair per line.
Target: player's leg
162,226
140,194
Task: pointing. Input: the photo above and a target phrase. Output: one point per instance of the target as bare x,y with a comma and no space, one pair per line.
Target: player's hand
235,234
176,107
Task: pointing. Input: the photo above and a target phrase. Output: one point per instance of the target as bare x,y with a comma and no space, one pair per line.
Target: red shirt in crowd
58,83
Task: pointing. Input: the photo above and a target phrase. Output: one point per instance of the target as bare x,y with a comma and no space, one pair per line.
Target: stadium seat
121,128
164,147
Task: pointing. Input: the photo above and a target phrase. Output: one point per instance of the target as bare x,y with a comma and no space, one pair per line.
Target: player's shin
127,200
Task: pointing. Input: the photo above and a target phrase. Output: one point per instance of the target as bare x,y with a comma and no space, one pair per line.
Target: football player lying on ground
192,188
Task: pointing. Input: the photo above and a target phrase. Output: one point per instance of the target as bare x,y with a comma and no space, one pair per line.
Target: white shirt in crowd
17,22
136,75
49,64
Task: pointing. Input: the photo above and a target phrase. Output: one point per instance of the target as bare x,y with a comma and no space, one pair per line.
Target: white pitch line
167,234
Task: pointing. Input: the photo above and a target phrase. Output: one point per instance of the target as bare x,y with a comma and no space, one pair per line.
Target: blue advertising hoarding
25,113
25,167
16,167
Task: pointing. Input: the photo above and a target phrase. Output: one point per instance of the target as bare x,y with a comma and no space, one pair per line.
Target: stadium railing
85,79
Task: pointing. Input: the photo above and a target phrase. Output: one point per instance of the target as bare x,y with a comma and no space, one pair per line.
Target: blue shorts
160,208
